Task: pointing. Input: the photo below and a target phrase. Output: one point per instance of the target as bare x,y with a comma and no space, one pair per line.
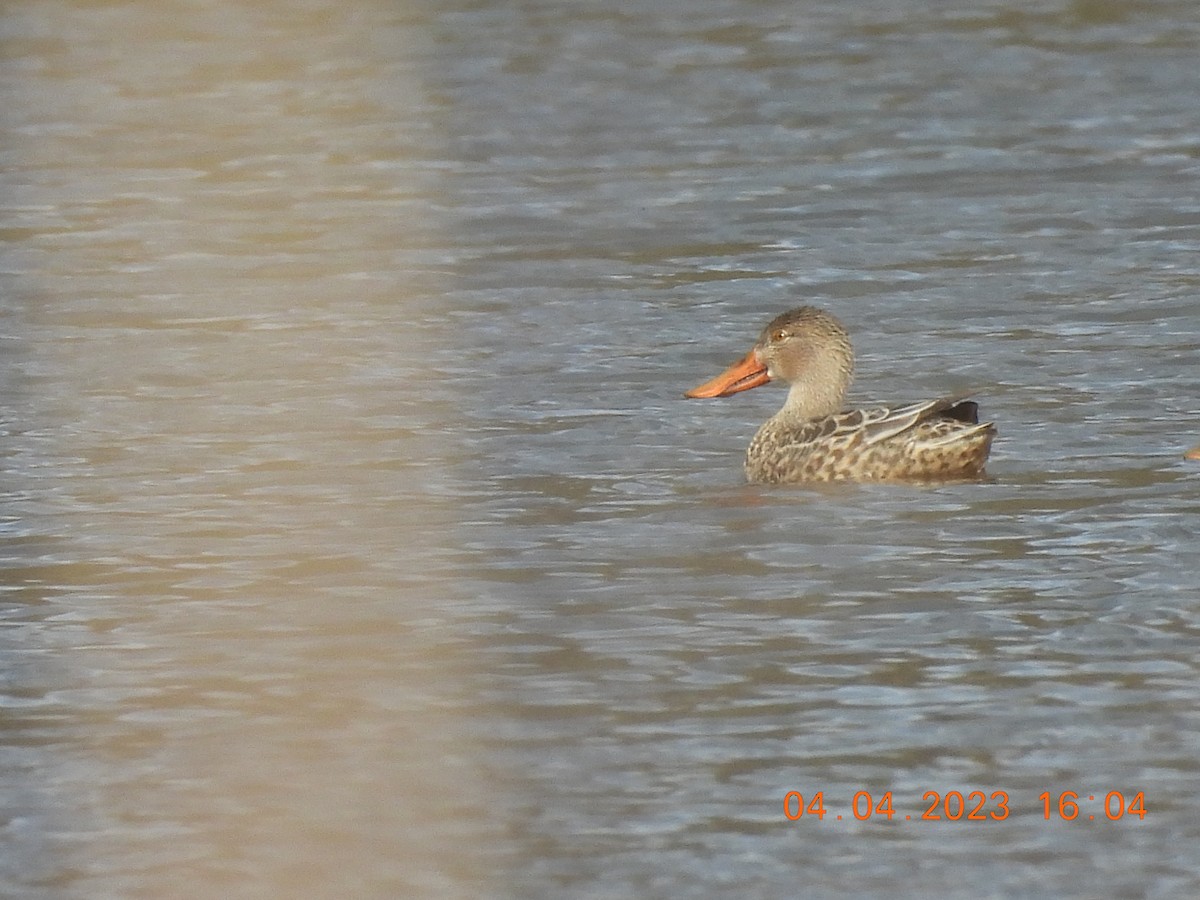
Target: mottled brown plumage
810,439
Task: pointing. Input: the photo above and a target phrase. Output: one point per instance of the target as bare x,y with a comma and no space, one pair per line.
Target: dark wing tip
963,411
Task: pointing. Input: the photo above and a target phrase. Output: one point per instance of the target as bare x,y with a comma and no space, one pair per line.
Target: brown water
357,542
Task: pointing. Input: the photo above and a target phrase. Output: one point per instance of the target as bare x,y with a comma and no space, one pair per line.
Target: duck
1194,453
814,439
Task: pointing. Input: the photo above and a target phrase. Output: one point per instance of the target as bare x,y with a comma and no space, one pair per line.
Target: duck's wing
867,427
883,423
930,439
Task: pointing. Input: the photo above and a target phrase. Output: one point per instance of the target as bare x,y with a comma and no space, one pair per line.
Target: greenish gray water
357,541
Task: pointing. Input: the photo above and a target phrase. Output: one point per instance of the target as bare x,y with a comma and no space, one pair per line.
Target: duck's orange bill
1194,453
741,376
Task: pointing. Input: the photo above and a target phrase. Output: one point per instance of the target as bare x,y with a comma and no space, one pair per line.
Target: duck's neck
820,393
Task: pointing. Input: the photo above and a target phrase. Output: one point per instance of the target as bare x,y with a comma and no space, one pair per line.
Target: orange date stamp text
968,806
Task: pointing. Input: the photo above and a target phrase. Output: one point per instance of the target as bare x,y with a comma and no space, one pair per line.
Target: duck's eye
778,335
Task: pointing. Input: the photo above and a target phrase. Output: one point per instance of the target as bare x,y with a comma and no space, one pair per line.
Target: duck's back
935,440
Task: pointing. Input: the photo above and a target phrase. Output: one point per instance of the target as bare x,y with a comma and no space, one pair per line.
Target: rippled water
357,539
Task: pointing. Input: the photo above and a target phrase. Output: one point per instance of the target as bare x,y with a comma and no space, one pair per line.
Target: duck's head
808,349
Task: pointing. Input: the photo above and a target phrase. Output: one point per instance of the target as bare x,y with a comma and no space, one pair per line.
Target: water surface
357,539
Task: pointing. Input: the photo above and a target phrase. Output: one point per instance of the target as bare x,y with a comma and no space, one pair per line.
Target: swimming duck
812,439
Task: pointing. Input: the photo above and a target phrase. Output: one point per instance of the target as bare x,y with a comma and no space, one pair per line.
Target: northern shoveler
812,439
